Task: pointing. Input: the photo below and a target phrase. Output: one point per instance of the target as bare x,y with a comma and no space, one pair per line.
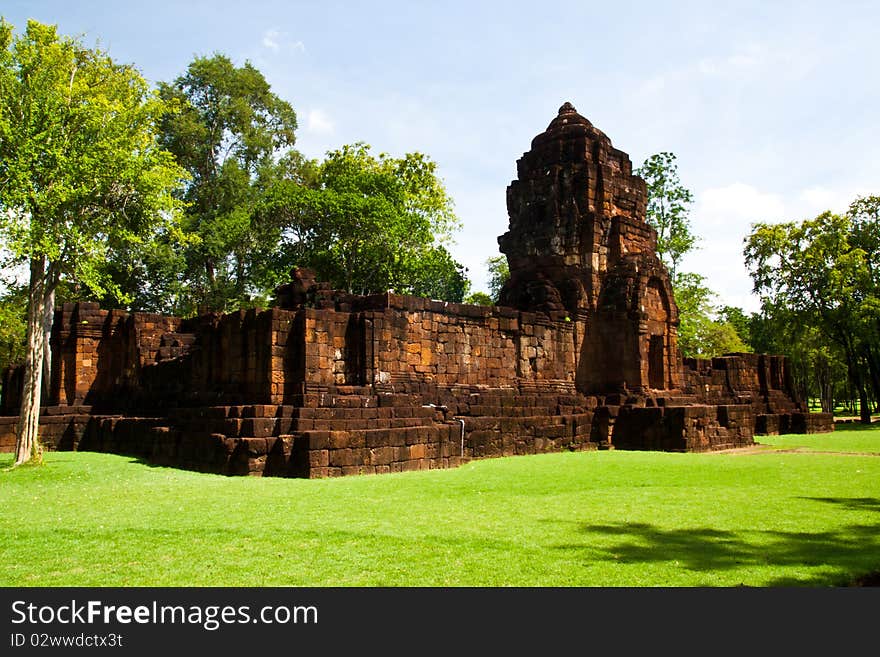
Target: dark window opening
656,362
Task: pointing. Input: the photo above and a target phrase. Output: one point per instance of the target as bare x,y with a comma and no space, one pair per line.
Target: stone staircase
507,423
335,434
353,430
174,345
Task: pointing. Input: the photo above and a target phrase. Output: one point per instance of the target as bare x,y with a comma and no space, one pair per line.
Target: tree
233,136
700,334
81,174
667,209
479,299
814,360
13,327
822,271
436,275
740,322
499,274
371,224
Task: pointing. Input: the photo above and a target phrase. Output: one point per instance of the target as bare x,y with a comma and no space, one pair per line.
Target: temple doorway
656,361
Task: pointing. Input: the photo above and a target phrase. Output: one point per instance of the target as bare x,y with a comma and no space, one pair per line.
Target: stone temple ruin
580,354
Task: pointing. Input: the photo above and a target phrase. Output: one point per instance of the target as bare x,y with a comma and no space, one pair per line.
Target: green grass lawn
765,518
854,438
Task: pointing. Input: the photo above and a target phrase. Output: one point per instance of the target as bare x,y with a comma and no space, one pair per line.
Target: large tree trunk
27,441
874,373
864,405
828,396
210,273
48,318
823,380
855,375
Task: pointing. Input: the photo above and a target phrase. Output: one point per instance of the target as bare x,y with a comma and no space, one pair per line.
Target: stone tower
579,248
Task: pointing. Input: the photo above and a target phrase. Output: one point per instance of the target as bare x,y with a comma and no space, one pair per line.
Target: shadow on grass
62,457
856,426
852,503
838,557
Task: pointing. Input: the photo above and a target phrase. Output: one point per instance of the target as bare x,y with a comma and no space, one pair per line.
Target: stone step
678,400
513,411
172,339
518,423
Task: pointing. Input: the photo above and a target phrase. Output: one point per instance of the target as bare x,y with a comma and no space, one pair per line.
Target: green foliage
255,208
13,326
82,177
700,334
667,211
815,362
81,172
499,274
370,224
479,299
822,274
704,330
233,136
794,519
738,320
436,275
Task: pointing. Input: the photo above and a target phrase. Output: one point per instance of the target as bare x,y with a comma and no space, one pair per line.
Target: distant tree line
185,199
819,283
82,177
191,197
254,207
705,328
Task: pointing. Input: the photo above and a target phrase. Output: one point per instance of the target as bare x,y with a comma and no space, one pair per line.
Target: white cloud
744,60
734,207
749,64
275,40
722,217
816,200
270,40
749,59
317,122
652,86
738,205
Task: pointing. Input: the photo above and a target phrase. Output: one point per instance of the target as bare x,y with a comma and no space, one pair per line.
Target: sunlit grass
847,438
574,519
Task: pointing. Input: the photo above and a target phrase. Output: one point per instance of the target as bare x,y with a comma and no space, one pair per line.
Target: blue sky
770,107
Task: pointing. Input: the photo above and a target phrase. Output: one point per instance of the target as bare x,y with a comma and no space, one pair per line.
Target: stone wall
692,428
118,361
333,433
415,341
97,353
582,354
7,433
760,381
578,247
406,384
